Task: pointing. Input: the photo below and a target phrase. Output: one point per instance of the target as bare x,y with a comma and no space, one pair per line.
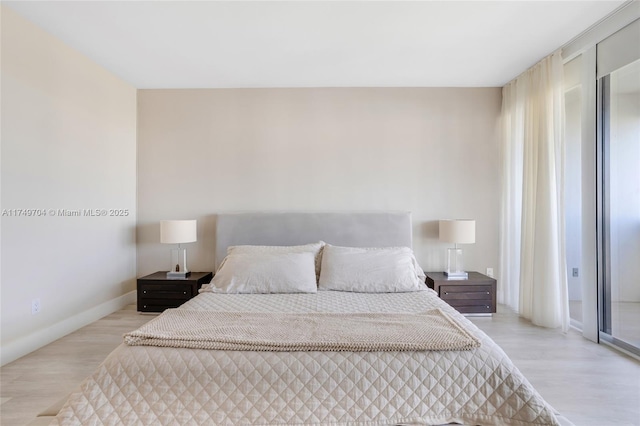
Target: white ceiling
197,44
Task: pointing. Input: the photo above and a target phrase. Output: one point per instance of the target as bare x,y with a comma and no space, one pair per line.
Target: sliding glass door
619,206
618,73
573,100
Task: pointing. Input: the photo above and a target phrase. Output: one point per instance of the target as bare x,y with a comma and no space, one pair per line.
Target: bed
147,384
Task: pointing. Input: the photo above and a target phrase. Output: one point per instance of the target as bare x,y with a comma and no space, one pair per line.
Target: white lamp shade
458,231
178,231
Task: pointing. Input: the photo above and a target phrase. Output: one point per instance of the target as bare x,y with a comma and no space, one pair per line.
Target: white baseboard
27,344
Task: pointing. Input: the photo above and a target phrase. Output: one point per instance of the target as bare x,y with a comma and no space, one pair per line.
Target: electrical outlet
490,272
575,272
35,306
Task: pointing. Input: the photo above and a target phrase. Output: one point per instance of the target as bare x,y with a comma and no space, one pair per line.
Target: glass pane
622,144
573,200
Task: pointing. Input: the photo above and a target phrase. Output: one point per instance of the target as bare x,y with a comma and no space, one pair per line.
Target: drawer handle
184,292
144,291
144,306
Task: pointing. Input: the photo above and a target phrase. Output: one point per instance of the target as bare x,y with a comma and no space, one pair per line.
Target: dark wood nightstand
157,293
475,295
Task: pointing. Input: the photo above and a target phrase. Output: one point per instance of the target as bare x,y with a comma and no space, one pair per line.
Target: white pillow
315,248
266,273
370,270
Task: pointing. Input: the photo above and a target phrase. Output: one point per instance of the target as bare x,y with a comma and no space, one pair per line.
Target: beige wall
432,151
68,142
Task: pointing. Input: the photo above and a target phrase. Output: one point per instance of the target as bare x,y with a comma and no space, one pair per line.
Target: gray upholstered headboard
357,229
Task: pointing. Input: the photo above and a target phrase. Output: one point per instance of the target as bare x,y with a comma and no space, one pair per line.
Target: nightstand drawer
165,291
473,308
158,305
465,292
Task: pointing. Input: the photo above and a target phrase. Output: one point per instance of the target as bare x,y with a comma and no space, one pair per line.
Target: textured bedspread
153,386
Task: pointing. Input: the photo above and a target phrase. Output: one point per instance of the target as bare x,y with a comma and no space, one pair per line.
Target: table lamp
178,232
457,231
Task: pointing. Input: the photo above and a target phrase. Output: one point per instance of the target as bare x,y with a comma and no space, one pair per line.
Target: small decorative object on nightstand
178,232
156,292
457,232
474,295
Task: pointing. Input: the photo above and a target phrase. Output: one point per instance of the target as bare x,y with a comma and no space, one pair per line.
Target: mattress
160,386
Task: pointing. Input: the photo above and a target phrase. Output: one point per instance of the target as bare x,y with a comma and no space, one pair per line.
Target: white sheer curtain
532,249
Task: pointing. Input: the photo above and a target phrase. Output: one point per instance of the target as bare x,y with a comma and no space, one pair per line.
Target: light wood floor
589,384
625,320
34,382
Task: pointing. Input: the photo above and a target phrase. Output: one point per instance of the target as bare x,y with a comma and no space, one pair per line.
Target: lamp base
177,275
456,275
455,269
179,268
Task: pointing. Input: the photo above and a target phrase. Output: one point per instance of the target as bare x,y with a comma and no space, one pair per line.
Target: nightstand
475,295
157,293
